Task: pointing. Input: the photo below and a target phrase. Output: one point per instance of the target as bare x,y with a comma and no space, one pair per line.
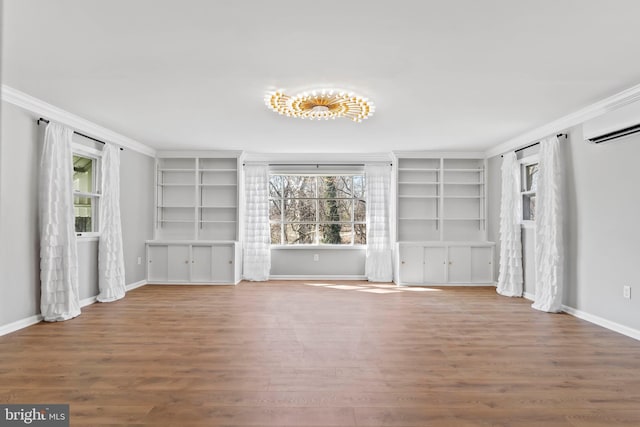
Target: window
85,194
528,187
311,209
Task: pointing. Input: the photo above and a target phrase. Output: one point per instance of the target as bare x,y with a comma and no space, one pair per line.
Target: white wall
602,228
136,210
19,256
603,204
19,239
331,262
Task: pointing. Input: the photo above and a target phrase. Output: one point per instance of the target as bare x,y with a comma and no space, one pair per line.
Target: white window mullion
353,213
316,239
282,220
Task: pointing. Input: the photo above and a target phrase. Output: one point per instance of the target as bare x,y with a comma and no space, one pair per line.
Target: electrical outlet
316,257
626,292
139,260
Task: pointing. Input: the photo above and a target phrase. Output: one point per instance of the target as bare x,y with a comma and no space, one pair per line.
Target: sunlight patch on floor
380,291
374,289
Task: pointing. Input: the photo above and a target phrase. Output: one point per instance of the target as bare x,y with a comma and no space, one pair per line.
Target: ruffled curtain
111,280
510,277
256,262
60,298
549,240
378,266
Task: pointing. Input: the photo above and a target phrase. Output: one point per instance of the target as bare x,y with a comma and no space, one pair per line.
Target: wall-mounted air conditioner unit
613,125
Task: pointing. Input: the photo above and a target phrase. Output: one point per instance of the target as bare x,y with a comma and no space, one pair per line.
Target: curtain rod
535,143
317,165
77,133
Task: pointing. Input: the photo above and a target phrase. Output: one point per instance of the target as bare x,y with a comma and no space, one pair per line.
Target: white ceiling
444,75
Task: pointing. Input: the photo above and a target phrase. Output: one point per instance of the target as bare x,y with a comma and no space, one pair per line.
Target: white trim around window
524,162
96,179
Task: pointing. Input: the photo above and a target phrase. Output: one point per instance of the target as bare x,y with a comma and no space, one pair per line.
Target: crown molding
199,153
51,112
599,108
447,154
318,157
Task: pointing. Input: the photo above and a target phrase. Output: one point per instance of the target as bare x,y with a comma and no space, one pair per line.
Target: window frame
318,222
96,179
524,163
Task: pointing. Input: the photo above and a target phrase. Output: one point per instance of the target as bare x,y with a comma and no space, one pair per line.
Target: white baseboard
88,301
32,320
596,320
313,277
136,285
192,284
608,324
445,285
19,324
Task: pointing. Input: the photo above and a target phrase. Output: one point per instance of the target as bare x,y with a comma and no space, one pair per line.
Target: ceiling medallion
321,104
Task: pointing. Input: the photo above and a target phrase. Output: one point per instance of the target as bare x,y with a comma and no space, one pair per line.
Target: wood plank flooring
324,354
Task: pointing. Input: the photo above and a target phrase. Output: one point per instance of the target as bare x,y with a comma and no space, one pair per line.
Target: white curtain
378,267
256,261
549,240
58,251
510,277
111,281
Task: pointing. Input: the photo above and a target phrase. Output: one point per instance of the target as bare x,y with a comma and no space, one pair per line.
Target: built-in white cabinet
434,259
193,262
441,219
445,263
196,219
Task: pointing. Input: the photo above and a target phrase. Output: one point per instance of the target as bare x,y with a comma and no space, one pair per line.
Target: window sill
320,247
88,237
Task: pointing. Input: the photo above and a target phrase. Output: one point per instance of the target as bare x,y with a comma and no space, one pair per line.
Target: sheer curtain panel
378,266
256,262
549,239
111,281
510,277
58,251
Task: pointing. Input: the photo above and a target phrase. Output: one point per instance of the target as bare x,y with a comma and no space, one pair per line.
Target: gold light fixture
321,104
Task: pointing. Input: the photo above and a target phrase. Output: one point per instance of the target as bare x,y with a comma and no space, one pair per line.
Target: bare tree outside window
310,209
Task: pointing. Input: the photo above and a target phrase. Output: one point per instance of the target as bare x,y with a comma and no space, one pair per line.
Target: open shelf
197,198
440,198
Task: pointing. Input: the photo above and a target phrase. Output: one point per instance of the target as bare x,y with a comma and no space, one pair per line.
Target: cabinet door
482,264
435,265
223,263
178,263
459,264
411,264
157,256
201,266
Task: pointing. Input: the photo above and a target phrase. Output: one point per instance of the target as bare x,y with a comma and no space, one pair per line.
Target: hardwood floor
307,354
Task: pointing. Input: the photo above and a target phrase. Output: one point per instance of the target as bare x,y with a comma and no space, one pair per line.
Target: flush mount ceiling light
321,104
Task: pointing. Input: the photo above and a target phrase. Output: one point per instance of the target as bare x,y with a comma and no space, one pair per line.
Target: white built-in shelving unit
197,198
441,219
197,215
